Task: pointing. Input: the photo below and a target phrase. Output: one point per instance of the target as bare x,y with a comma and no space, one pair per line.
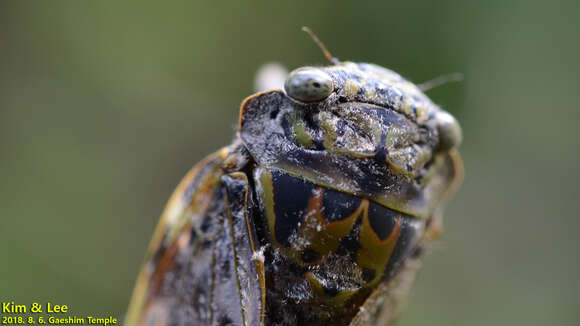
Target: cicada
317,212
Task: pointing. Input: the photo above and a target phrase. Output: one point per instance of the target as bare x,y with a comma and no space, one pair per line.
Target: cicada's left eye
308,84
449,131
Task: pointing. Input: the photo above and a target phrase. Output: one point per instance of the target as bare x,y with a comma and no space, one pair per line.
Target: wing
199,268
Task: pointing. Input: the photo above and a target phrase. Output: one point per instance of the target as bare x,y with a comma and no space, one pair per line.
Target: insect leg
249,268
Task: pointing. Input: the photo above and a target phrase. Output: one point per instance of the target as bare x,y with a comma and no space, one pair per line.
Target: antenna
327,54
441,80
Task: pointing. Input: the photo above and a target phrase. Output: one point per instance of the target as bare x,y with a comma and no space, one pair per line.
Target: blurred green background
105,105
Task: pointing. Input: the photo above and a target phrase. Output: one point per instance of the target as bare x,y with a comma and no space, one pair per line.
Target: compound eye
449,131
308,84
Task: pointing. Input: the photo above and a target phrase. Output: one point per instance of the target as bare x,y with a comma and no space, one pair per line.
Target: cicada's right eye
308,84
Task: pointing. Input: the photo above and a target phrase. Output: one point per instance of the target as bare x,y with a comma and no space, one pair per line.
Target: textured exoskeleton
314,215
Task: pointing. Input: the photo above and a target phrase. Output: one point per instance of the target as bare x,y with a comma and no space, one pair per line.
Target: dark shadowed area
105,105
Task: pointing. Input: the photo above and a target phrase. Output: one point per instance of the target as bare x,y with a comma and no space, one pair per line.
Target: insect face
375,135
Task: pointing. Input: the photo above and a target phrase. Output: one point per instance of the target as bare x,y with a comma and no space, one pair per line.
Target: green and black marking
316,212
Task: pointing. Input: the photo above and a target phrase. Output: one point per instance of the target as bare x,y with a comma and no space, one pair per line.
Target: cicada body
314,215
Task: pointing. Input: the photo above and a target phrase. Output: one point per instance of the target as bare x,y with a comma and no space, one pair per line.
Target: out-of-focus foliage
104,106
